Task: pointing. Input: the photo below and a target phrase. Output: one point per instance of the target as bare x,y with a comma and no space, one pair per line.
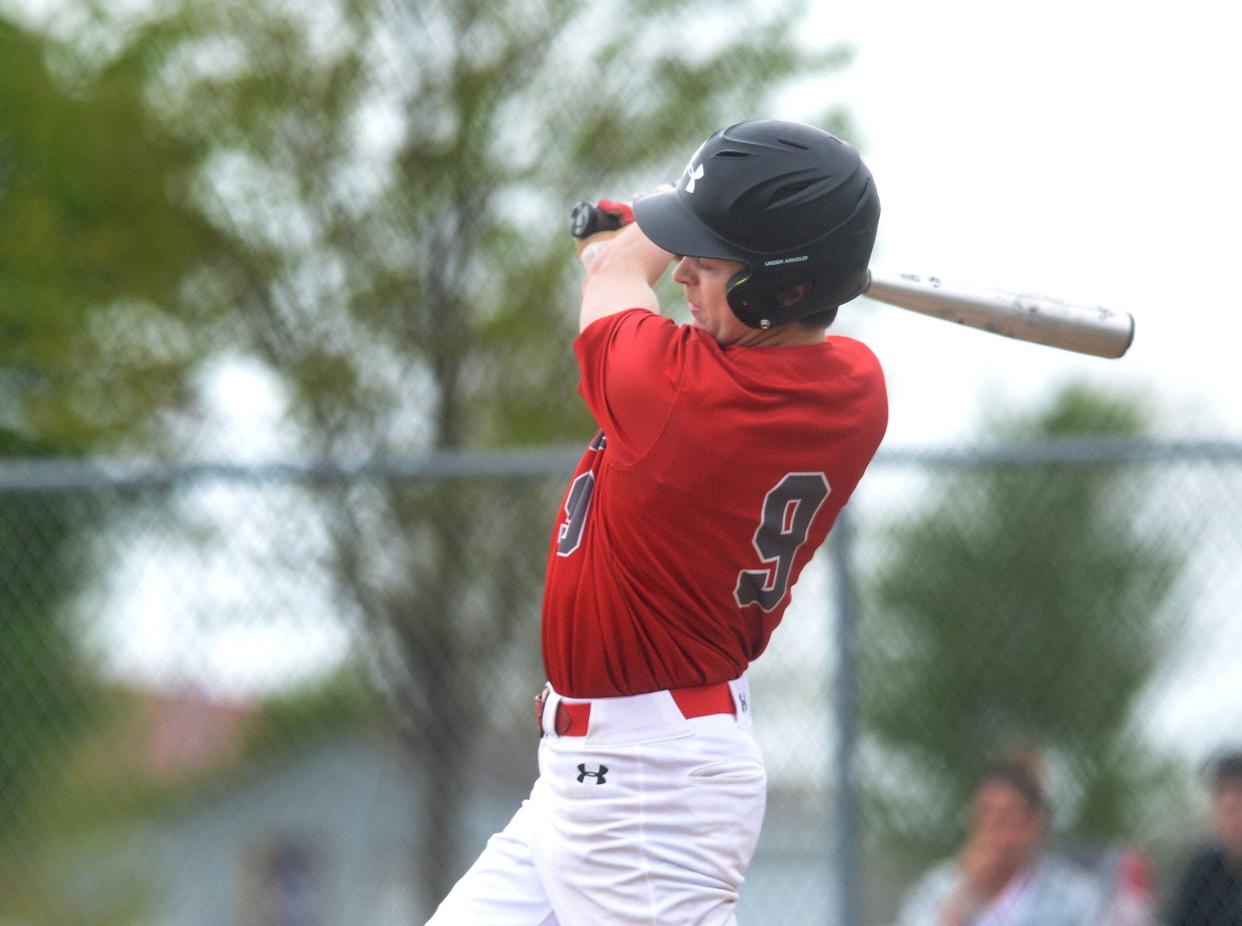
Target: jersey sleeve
630,367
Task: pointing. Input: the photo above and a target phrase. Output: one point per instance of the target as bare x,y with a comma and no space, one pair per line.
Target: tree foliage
41,694
94,250
98,242
987,637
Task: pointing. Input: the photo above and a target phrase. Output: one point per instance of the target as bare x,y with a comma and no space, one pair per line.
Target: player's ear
787,297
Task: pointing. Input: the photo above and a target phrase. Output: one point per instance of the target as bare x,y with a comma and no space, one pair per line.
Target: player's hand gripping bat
1092,330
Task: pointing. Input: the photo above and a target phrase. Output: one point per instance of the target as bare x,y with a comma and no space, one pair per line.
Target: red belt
572,719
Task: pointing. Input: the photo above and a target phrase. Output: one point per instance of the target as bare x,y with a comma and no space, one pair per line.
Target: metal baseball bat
1092,330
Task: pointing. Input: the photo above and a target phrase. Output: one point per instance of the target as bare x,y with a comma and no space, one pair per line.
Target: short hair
819,320
1022,777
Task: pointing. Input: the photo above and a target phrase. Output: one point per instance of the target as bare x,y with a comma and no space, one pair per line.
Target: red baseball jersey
716,473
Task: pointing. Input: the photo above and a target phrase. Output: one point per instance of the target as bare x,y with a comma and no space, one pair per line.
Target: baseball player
725,450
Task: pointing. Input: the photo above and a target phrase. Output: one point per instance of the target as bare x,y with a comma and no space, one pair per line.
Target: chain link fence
239,694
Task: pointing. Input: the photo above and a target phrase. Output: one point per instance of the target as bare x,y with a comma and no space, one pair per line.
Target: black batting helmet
789,201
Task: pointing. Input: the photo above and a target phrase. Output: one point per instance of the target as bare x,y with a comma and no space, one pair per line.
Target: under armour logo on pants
583,774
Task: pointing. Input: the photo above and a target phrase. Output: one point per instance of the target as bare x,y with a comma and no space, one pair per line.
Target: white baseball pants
648,820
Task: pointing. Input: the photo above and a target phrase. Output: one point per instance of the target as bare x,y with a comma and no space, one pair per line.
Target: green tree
397,177
94,345
41,697
97,243
1022,609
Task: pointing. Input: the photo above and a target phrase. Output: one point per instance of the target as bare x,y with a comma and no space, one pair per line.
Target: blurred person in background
1002,876
1209,892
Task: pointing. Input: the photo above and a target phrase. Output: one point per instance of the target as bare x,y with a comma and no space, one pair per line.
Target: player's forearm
630,253
621,275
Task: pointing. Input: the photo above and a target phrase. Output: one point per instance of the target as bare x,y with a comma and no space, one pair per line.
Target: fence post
845,718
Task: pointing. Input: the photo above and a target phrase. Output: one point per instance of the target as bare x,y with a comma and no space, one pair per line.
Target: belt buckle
562,721
540,700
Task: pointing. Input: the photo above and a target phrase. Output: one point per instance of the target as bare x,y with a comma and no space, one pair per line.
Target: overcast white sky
1085,150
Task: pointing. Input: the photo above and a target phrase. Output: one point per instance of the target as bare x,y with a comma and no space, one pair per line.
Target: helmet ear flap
755,308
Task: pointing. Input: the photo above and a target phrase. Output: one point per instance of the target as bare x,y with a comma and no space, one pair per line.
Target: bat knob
580,219
587,219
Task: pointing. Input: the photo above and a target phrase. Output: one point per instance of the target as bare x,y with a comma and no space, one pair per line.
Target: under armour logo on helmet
696,173
583,774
